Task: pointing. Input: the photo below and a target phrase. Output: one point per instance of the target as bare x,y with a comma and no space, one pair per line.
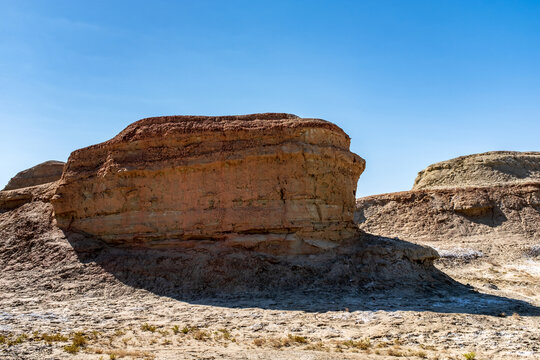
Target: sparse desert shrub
175,329
72,349
186,329
77,341
259,342
18,340
363,344
225,334
395,352
317,347
48,338
298,339
148,327
200,335
470,355
288,341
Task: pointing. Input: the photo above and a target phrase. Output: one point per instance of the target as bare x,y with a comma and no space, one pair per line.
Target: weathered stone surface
11,199
491,168
454,214
43,173
271,182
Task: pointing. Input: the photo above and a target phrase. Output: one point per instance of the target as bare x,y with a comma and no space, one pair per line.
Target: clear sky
412,82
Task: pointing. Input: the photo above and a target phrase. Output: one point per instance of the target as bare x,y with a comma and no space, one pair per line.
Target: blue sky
412,82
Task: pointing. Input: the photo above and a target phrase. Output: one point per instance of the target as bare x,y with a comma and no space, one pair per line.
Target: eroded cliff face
271,182
486,169
455,215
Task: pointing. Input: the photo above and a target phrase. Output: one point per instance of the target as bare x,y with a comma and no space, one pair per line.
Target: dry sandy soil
59,302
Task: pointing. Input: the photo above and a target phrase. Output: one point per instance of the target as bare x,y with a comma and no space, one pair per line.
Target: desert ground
56,306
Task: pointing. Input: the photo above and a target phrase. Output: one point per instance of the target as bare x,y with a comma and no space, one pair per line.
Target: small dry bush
148,327
395,352
362,344
200,335
49,338
77,341
18,340
288,341
259,342
319,346
226,334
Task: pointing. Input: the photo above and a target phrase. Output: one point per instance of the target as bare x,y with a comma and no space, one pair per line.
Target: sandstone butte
43,173
271,182
491,168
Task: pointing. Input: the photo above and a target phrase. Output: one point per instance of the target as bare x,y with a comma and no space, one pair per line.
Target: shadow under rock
368,274
492,216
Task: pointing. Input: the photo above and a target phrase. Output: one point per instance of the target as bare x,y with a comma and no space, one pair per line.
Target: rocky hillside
491,168
455,215
40,174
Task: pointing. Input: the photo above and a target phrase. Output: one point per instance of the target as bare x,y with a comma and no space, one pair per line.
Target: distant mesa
273,182
43,173
490,168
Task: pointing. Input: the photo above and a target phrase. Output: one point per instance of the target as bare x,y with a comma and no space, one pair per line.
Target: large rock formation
273,182
491,168
43,173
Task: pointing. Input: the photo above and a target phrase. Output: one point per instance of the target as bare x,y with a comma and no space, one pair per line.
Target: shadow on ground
369,274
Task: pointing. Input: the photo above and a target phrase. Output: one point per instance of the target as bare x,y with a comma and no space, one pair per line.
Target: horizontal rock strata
454,213
11,199
491,168
43,173
271,182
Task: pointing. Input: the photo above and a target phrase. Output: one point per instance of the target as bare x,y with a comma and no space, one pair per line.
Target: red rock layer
274,182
